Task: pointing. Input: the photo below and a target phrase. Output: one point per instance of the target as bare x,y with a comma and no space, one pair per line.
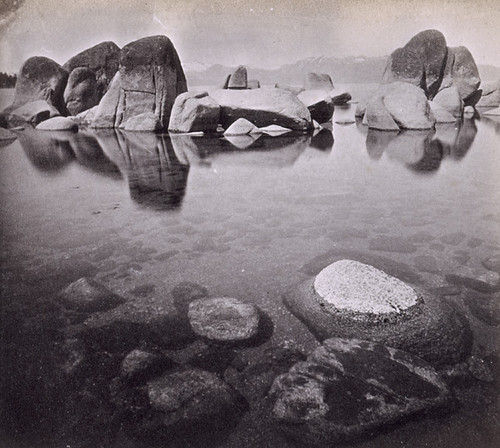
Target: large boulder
349,299
420,62
490,95
81,92
33,112
150,78
451,100
462,73
319,103
238,79
40,78
263,107
352,388
102,59
318,81
194,112
405,103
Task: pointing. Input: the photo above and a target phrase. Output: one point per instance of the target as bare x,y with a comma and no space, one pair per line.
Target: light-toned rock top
353,286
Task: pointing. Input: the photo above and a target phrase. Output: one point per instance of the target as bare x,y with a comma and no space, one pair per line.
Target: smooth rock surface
263,107
318,81
450,100
87,295
57,124
81,92
194,112
441,114
139,364
224,319
351,388
241,127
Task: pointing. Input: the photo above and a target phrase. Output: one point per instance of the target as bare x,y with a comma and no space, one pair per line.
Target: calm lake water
248,219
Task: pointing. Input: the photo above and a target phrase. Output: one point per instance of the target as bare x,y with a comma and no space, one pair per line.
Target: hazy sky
253,32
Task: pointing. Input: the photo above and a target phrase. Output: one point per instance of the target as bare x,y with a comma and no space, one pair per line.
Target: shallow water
249,219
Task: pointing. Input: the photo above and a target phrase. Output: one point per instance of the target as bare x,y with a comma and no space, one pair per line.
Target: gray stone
263,107
186,292
318,81
319,103
253,84
238,79
351,388
6,137
81,92
490,95
140,364
339,97
224,319
194,112
242,127
105,116
495,112
145,122
274,129
89,296
376,116
450,100
34,112
293,89
405,318
441,114
57,124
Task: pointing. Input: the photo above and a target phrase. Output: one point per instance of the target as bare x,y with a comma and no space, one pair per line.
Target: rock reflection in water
423,151
322,140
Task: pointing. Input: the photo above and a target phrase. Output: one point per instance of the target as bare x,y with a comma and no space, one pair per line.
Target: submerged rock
349,299
224,319
140,365
87,295
263,107
194,112
350,388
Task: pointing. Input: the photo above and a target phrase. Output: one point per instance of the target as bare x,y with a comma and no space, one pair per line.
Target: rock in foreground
349,388
349,299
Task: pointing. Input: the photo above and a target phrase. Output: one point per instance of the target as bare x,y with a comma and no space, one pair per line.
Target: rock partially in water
224,319
242,127
145,122
351,388
319,103
194,112
441,114
352,300
87,295
184,407
58,124
238,79
33,112
81,92
450,100
186,292
339,97
485,308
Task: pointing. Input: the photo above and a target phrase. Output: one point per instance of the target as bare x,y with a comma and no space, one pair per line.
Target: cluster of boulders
424,82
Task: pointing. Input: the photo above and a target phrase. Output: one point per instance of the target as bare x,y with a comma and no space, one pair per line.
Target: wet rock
318,81
392,244
185,407
352,300
102,60
224,319
492,263
81,91
58,124
351,388
420,62
450,100
319,103
194,112
241,127
238,79
140,365
263,107
40,78
87,295
186,292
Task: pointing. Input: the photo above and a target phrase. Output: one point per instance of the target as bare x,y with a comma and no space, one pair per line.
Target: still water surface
248,219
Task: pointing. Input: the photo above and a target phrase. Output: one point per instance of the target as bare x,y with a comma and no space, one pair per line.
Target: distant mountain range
342,70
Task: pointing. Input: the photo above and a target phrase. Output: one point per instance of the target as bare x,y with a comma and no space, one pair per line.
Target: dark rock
34,112
184,407
263,107
140,365
87,295
102,59
40,78
224,319
339,97
6,137
238,79
485,308
471,283
319,103
81,92
194,112
420,62
318,81
419,323
351,388
186,292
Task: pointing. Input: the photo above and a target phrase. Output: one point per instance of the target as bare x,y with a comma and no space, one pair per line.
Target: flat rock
241,127
352,388
363,302
274,129
339,97
194,112
89,296
57,124
224,319
263,107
